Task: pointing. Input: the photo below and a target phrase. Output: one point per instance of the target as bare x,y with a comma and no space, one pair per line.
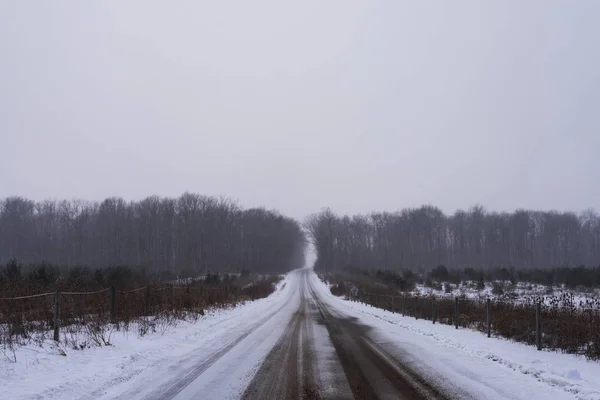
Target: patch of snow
573,375
519,292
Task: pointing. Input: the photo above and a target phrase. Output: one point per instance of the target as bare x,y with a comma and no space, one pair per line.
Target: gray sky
357,105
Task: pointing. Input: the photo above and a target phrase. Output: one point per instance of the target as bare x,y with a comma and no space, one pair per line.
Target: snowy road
355,367
290,371
302,342
312,345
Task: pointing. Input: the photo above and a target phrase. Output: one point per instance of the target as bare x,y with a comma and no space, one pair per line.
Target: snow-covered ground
132,367
518,290
491,368
217,357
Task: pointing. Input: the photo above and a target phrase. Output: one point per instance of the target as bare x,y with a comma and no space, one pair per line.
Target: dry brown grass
86,318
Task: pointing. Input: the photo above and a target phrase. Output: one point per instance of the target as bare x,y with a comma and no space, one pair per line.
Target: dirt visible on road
287,372
372,373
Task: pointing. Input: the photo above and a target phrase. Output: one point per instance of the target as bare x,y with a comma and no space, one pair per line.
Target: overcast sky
357,105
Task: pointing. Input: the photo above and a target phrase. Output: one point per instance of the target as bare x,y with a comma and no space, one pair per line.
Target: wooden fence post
377,300
113,304
402,304
489,317
415,308
456,312
433,316
393,305
148,300
172,295
57,315
538,325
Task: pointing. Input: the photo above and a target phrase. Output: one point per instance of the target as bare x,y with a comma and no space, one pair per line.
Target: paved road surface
370,371
320,354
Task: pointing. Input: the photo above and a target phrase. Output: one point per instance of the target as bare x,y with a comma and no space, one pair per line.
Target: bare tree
194,233
423,238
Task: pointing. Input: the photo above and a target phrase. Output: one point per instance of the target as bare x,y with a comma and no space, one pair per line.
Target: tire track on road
371,372
287,372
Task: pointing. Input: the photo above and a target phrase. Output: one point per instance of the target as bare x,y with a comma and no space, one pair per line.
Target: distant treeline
190,234
423,238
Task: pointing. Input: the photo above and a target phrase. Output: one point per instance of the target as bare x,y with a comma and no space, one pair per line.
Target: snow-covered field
218,356
519,292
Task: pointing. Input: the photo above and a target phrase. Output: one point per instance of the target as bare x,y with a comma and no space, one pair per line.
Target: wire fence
58,312
574,330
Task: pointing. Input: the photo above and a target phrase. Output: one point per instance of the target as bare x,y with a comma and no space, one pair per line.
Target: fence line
64,311
84,293
576,330
27,297
131,291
